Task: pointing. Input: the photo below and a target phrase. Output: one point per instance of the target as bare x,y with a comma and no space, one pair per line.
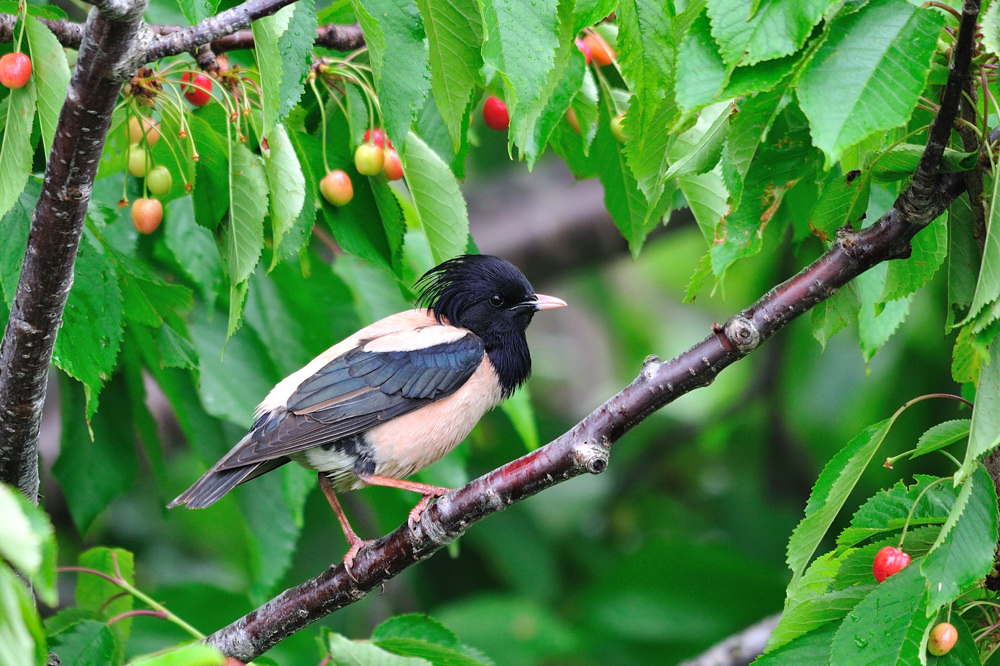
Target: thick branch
56,226
739,649
220,25
336,37
587,446
68,33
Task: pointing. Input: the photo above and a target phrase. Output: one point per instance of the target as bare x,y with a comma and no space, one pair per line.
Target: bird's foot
352,552
416,512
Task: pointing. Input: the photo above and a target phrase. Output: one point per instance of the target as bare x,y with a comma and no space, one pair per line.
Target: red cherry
368,159
392,167
584,48
495,114
601,53
146,215
377,137
336,187
199,92
889,561
943,639
15,70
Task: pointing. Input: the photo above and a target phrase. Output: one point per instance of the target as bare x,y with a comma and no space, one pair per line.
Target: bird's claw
352,552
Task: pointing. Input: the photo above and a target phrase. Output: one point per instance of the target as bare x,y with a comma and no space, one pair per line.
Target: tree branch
739,649
56,227
220,25
587,446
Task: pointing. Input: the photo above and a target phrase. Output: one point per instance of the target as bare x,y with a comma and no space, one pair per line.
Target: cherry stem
136,613
322,121
909,517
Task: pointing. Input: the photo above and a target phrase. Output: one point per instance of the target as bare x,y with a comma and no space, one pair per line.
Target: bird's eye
496,300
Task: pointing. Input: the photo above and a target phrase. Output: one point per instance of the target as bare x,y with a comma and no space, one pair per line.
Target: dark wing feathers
355,392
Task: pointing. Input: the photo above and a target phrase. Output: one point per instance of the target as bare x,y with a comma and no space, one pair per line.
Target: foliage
773,123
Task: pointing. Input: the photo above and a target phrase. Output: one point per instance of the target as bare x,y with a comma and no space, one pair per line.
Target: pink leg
355,542
428,491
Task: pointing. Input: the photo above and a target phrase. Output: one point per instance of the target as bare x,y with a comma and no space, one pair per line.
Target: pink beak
543,302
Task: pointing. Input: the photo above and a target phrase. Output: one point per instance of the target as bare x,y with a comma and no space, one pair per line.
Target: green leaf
868,74
285,183
147,298
990,26
422,636
963,552
703,72
93,471
296,46
195,654
397,43
345,652
832,488
559,104
814,613
746,132
101,597
811,648
521,413
902,160
701,146
632,214
887,511
706,196
91,334
941,435
967,359
775,29
196,11
877,321
194,249
787,159
22,639
89,643
393,222
244,235
454,37
437,198
963,259
646,55
51,77
27,542
266,32
887,626
211,169
988,283
844,201
836,312
16,152
984,435
14,227
522,39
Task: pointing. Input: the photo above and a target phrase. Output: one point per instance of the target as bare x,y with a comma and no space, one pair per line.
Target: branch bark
56,226
586,447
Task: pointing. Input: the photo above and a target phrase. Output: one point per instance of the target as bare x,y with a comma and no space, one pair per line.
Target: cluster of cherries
594,49
889,561
373,156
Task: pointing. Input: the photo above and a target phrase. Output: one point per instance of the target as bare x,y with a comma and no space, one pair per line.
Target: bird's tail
217,482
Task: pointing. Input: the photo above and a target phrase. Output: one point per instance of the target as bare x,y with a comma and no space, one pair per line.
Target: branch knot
742,333
592,457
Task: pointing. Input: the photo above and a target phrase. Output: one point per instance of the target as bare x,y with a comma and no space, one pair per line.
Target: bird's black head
491,298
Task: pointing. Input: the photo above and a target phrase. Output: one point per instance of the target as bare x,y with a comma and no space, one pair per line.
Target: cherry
146,215
15,70
199,92
392,168
159,181
889,561
495,114
148,129
943,639
137,163
377,137
600,52
574,122
336,187
368,159
584,49
616,128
